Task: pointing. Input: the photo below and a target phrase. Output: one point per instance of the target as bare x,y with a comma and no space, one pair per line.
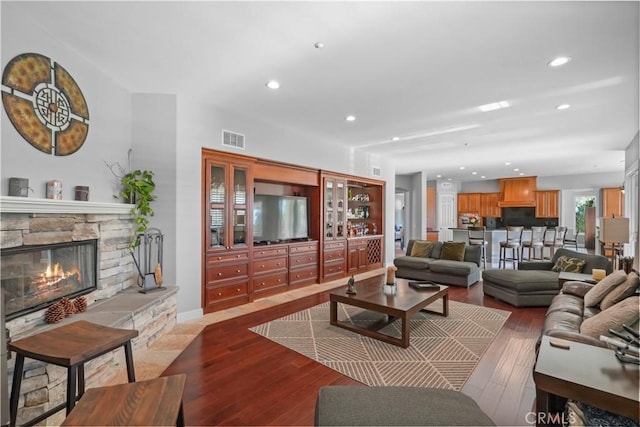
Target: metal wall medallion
45,104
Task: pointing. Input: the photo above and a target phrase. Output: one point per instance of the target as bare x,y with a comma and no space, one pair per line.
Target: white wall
109,136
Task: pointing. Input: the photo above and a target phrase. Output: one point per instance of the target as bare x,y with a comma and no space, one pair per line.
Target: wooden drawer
306,275
334,245
217,294
228,257
303,259
334,269
271,281
331,256
269,252
224,272
311,247
269,265
359,243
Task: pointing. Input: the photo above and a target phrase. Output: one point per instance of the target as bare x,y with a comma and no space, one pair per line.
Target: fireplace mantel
10,204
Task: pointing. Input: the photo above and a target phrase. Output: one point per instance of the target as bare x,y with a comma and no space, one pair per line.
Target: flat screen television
280,218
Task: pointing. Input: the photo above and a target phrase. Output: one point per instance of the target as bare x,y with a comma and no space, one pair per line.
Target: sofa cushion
422,248
562,321
622,291
523,280
626,311
603,287
437,250
413,262
568,264
566,303
453,251
452,268
591,261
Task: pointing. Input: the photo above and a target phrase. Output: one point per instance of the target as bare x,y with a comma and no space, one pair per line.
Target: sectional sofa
463,271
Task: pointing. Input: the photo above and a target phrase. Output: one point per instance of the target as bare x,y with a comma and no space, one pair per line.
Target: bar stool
549,241
156,402
561,234
69,346
513,242
536,242
478,237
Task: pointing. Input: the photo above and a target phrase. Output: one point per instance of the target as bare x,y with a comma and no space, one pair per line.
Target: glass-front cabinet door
217,209
340,211
329,185
227,206
334,209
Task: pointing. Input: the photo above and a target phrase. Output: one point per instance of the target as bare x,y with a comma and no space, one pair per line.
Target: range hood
517,192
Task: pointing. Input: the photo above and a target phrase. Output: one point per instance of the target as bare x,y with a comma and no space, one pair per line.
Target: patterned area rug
443,353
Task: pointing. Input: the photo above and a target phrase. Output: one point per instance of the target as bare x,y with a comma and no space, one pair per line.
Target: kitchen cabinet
364,253
489,205
469,203
547,203
612,202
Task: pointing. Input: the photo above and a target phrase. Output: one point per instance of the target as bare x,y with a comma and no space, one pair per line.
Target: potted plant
137,189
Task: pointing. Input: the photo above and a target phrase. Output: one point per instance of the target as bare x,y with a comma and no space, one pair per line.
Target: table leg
128,355
333,312
15,388
445,305
405,330
180,421
72,377
549,409
80,380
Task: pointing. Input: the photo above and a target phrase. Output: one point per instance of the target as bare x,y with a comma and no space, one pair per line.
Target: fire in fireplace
34,277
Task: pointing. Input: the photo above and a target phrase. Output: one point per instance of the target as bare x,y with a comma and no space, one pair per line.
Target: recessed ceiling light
563,106
318,45
521,173
272,84
461,167
448,179
493,106
474,173
560,60
395,138
483,177
516,169
350,118
438,176
507,163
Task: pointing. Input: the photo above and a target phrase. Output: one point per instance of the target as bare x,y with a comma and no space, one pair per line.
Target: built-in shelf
10,204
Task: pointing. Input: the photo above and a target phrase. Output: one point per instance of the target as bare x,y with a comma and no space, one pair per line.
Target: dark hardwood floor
236,377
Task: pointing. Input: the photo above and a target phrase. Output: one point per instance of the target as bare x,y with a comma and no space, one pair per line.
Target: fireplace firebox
35,277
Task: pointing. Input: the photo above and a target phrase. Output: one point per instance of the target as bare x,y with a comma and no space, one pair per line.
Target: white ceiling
416,70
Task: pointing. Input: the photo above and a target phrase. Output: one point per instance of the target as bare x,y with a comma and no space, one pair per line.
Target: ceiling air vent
232,139
376,171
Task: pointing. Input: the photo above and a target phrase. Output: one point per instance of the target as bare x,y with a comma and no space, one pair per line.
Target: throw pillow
625,311
603,287
453,251
570,265
620,292
422,248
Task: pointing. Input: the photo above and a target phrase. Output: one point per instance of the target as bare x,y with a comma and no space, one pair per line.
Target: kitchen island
494,237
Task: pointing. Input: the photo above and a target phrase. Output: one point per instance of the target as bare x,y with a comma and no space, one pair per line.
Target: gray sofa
533,284
458,273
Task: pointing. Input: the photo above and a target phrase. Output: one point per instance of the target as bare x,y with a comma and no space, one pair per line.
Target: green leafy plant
137,189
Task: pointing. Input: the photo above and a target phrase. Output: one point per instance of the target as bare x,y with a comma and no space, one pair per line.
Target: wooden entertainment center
344,228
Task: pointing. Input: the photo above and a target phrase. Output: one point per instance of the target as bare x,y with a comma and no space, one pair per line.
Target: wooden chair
536,242
513,242
477,237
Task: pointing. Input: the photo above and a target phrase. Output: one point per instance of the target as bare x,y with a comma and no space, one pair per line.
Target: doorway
400,222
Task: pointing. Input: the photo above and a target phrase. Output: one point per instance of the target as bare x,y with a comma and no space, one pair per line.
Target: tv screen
277,218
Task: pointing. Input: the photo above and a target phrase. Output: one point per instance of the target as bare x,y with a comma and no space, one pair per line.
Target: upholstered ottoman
521,288
396,406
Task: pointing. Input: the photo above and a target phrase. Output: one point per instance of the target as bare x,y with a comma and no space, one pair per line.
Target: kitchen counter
494,236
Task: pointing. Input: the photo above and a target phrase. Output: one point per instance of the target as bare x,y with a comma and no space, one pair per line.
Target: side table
69,346
156,402
585,373
565,276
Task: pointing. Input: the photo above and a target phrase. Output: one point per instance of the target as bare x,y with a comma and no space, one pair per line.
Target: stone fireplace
37,234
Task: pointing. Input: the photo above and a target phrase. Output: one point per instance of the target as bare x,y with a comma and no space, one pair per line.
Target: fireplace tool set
147,257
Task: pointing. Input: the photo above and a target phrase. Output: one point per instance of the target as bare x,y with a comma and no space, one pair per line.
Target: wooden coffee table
403,305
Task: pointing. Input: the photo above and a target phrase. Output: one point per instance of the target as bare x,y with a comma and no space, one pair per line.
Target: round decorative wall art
45,104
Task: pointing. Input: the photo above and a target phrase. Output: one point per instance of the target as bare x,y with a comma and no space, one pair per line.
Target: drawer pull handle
238,290
219,294
262,266
219,274
279,280
237,271
262,284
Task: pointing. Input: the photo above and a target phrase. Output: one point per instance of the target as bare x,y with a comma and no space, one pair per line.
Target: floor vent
376,171
232,139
